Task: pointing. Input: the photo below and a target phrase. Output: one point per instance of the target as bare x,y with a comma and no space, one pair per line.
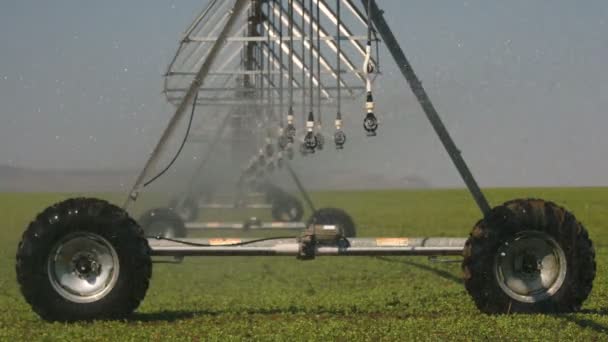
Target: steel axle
291,247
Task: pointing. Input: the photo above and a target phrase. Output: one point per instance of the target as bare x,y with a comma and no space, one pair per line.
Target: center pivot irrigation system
85,259
281,58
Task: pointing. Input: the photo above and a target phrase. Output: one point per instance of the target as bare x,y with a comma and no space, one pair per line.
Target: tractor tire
83,259
287,208
334,216
529,256
163,222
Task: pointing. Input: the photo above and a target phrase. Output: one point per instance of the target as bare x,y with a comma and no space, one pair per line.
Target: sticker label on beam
223,242
392,242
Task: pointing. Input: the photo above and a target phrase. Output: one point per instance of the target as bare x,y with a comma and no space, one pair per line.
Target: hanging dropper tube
319,128
282,141
370,123
290,131
310,140
271,89
339,136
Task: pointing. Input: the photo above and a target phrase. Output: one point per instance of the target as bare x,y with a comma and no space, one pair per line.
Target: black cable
244,243
181,147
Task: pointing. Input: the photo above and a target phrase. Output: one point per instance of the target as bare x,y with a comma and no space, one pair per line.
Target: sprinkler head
290,132
303,149
339,139
310,142
370,124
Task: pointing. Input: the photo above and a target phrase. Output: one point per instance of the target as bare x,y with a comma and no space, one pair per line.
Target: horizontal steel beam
291,247
251,90
231,103
277,39
241,72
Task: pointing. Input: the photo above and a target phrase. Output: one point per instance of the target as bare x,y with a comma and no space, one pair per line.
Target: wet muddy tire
83,259
334,216
163,222
529,256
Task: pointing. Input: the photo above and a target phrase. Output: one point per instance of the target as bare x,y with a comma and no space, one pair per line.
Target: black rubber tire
166,218
92,216
334,216
501,225
187,209
287,208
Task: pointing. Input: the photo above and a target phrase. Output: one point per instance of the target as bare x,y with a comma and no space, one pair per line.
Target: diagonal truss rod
343,28
280,12
297,59
297,5
189,31
274,85
216,26
270,53
208,11
307,43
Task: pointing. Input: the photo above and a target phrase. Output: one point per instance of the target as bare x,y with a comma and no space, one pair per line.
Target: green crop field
347,298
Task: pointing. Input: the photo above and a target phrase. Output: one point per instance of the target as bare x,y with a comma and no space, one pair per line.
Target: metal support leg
427,106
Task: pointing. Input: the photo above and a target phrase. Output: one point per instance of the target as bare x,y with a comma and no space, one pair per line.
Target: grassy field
349,298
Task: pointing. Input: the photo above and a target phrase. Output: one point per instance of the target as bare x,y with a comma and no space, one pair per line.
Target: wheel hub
83,267
86,266
531,267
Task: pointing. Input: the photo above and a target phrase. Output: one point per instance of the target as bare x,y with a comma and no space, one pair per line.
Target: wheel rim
531,267
83,267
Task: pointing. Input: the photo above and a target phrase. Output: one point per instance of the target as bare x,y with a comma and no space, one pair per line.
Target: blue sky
522,86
